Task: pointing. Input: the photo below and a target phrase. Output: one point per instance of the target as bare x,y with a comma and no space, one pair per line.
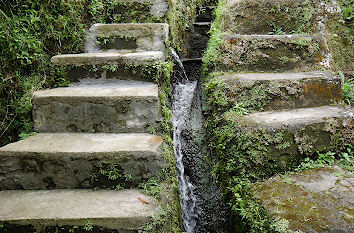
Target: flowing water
184,91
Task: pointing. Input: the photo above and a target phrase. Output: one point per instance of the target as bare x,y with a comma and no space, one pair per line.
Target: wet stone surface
315,200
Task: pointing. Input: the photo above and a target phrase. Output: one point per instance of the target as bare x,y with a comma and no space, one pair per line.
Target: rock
315,200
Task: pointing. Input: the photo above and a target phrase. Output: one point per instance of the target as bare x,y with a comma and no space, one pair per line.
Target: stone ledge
272,53
296,119
139,36
95,108
114,58
277,91
68,160
109,209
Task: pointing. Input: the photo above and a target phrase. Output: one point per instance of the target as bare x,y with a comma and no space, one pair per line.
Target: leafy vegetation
348,89
31,33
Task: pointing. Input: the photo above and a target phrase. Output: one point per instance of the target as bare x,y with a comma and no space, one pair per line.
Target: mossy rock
315,200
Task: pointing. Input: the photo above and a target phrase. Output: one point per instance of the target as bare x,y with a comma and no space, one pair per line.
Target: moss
261,17
245,53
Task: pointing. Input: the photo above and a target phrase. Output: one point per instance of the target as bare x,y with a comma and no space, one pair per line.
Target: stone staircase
285,75
48,179
295,103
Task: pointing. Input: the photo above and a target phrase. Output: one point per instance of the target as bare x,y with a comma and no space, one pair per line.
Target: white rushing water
184,92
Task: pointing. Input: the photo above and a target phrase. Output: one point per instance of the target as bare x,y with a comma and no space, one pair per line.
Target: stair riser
95,115
271,53
279,95
275,149
147,37
264,16
32,171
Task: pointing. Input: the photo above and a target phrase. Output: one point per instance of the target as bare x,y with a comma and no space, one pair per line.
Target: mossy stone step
276,91
138,36
267,53
124,65
97,106
277,140
124,57
270,16
118,210
69,161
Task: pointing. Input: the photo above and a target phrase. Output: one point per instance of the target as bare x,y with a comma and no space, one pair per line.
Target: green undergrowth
182,14
32,31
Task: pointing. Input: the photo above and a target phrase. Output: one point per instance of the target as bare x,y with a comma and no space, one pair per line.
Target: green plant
347,89
88,226
277,30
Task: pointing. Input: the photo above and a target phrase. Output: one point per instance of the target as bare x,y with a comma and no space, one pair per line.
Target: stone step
125,65
281,139
267,53
119,210
137,36
72,160
98,106
270,16
129,57
277,91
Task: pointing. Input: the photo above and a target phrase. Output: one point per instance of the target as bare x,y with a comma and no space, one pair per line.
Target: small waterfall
184,91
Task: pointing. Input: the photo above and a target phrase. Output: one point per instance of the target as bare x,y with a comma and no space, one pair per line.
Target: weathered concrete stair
97,106
109,209
266,53
297,118
286,90
137,36
109,58
68,160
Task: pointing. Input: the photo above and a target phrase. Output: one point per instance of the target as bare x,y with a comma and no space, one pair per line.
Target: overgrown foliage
32,31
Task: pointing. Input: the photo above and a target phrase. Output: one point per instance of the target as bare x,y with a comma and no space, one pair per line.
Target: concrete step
129,57
71,160
119,210
277,91
125,65
99,106
277,140
297,118
268,16
137,36
277,53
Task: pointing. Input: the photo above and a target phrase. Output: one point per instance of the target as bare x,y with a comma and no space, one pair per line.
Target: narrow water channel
184,91
203,210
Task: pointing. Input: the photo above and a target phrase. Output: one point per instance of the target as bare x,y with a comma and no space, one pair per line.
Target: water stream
183,94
